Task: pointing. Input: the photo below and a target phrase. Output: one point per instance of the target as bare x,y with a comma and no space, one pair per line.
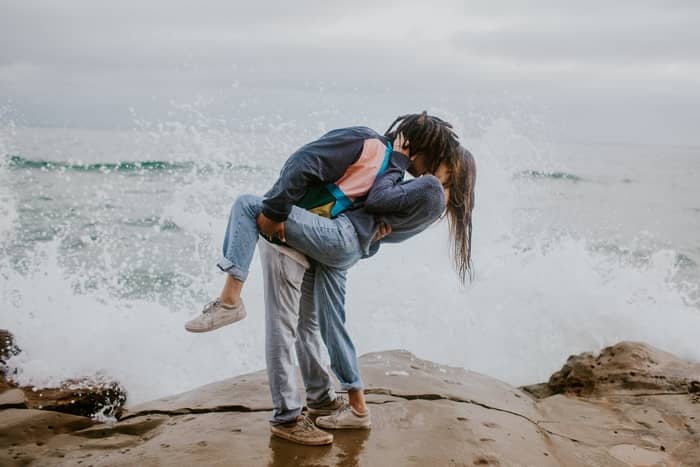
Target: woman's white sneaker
215,315
346,418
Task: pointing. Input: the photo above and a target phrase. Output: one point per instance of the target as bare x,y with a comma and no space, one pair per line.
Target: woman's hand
270,228
401,145
384,230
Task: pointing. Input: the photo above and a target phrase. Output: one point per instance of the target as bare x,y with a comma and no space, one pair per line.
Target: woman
394,207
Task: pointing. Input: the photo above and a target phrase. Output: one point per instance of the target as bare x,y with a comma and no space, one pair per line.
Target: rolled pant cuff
284,416
232,270
328,396
356,386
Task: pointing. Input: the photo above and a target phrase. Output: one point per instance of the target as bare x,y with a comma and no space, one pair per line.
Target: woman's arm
390,194
408,208
382,196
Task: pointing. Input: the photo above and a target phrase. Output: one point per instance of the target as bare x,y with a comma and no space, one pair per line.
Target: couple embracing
337,199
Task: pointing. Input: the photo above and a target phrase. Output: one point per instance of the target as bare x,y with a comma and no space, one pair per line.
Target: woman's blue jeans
333,247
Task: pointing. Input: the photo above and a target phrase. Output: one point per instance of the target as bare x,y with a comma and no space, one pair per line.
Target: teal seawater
17,161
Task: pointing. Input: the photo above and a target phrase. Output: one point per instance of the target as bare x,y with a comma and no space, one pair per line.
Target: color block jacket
354,172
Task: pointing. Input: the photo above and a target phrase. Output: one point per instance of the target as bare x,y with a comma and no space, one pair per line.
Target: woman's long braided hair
436,140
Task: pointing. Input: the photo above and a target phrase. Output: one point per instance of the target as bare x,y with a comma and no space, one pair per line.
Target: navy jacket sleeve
390,194
322,161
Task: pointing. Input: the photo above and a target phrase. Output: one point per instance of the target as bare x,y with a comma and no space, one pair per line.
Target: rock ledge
632,405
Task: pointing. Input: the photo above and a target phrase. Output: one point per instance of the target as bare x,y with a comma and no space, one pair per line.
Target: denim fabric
289,326
333,247
241,237
329,298
332,242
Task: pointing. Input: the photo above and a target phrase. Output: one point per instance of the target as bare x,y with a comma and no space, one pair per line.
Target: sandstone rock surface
626,368
423,414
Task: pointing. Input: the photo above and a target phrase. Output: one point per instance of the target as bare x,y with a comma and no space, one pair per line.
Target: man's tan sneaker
346,419
215,315
302,431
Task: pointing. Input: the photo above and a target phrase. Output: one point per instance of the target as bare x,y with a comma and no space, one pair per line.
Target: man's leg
283,276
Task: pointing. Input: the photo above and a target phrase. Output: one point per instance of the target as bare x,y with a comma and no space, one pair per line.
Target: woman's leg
329,297
311,351
330,241
239,246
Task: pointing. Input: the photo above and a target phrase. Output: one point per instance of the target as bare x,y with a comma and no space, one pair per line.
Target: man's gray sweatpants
291,322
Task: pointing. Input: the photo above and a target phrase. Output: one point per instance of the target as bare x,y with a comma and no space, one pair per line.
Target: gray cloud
59,58
651,39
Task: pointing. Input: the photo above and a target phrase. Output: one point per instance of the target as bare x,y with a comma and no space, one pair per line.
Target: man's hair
426,134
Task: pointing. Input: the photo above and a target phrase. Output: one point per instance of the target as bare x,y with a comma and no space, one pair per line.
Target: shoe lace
305,424
346,408
209,307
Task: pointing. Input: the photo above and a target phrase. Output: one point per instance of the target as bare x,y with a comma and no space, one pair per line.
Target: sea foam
535,299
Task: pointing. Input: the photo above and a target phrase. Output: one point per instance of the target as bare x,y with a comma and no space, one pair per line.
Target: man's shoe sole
344,427
303,443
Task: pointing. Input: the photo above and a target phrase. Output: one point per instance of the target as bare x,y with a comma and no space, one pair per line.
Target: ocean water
108,241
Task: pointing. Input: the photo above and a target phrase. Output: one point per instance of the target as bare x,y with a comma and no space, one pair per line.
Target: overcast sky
595,70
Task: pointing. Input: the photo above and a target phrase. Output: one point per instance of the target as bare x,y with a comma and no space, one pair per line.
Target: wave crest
17,161
557,175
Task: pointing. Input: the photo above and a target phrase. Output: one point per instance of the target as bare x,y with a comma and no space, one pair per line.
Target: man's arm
322,161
